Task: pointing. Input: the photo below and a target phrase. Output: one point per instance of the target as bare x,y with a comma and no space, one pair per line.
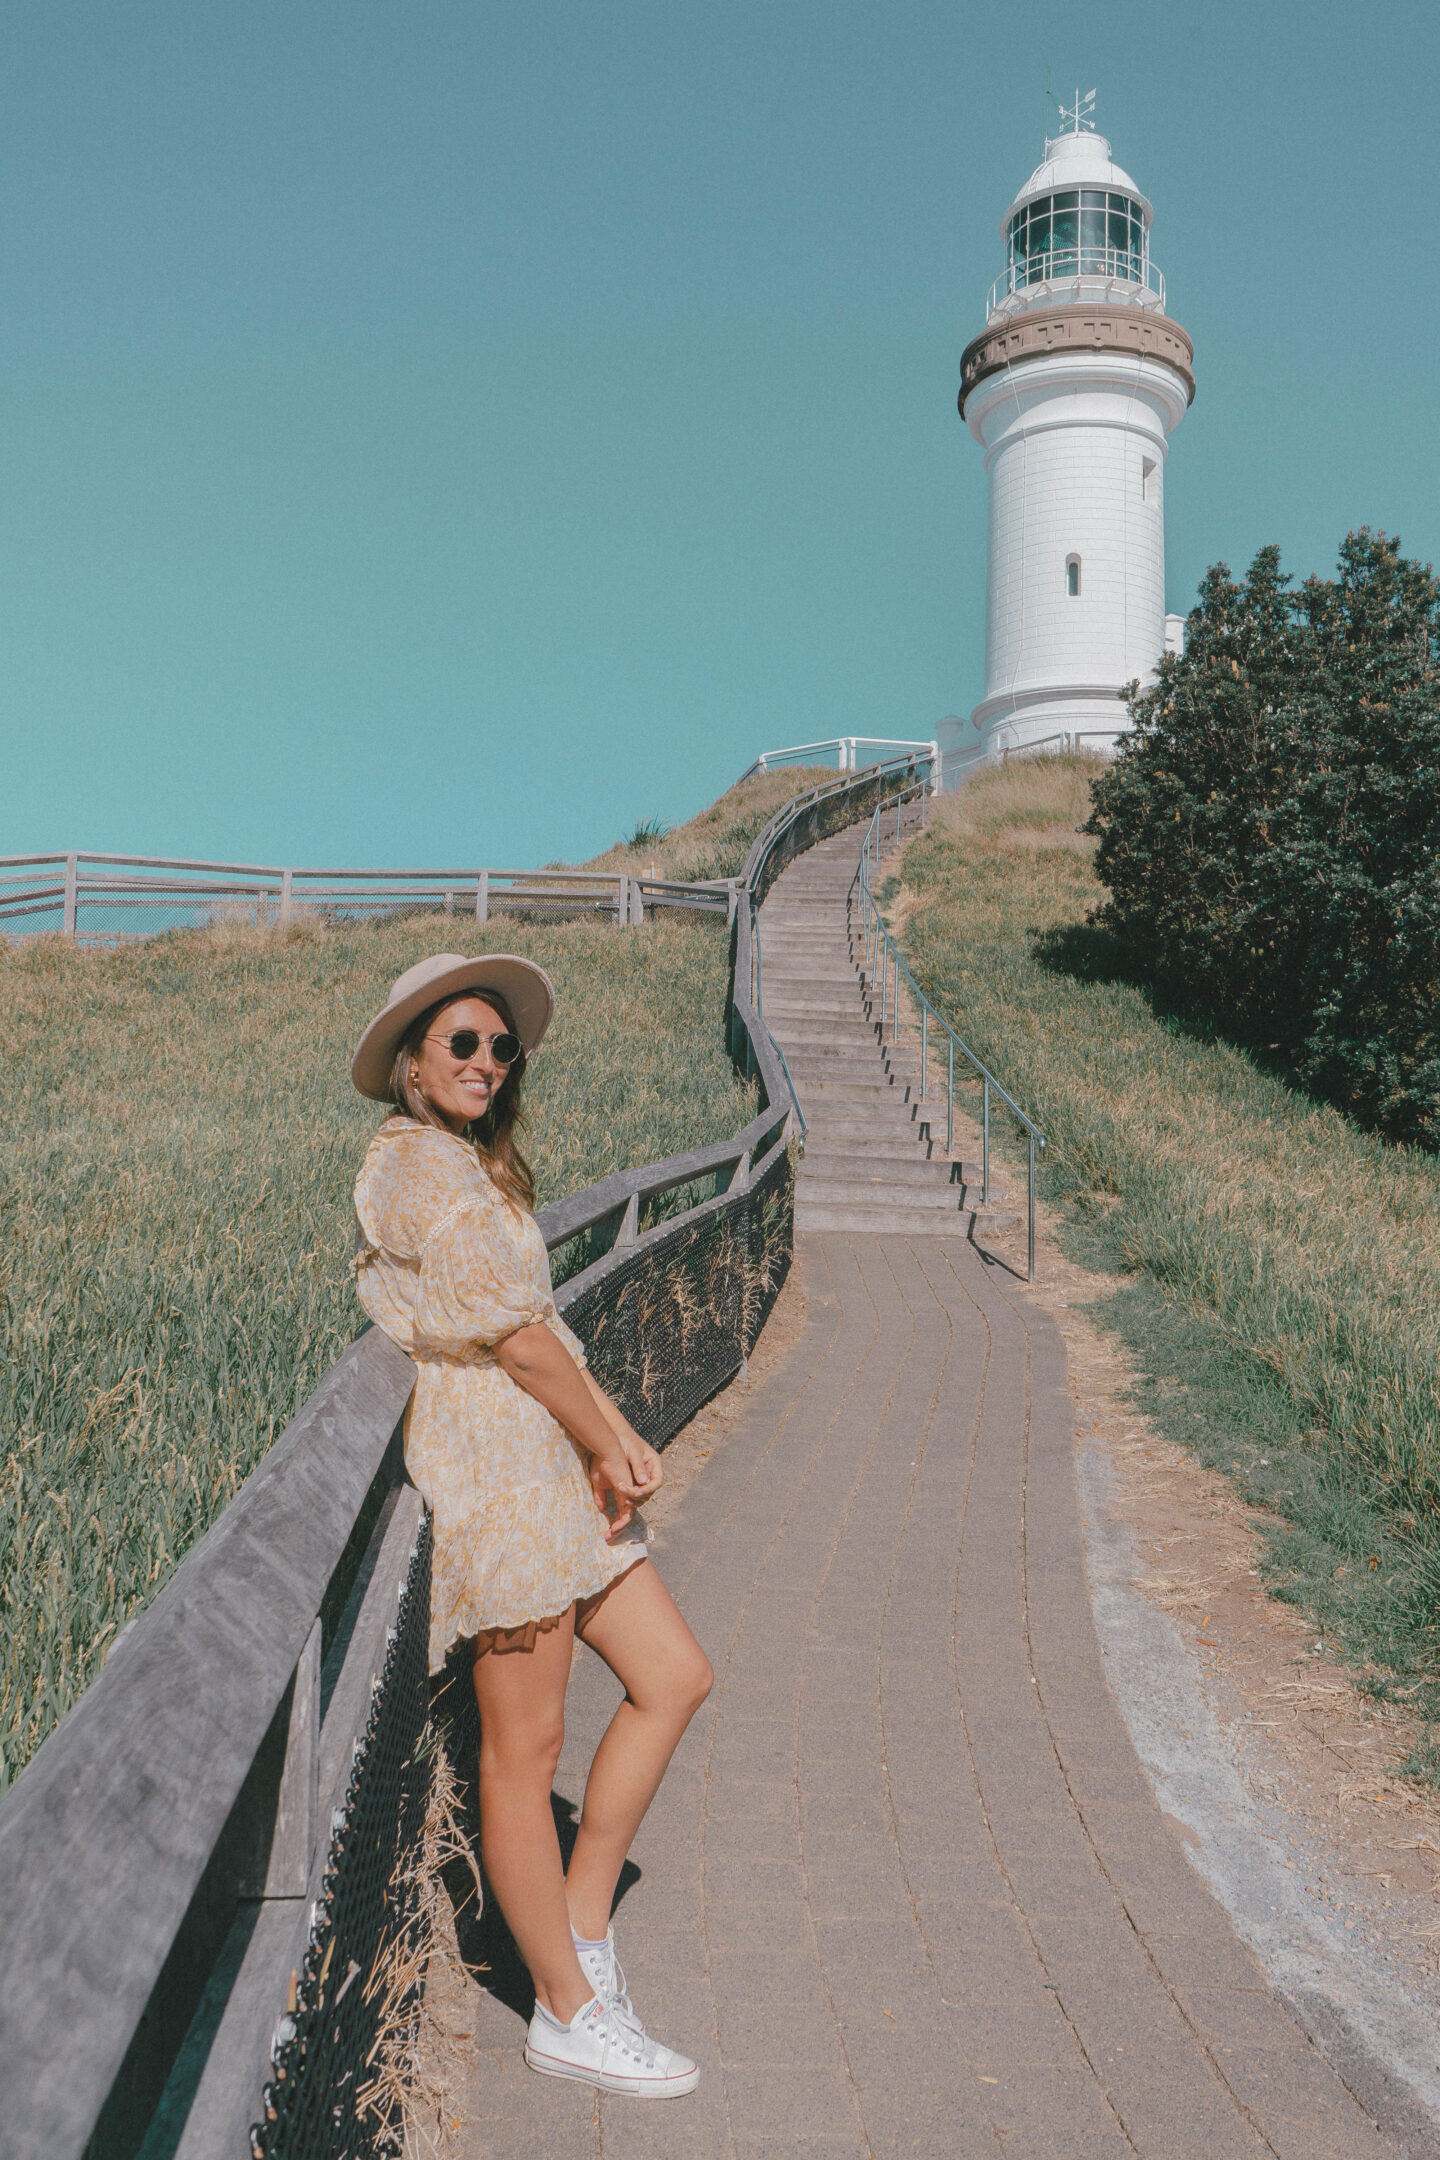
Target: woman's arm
621,1462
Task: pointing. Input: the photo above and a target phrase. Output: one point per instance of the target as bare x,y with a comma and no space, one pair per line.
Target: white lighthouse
1072,390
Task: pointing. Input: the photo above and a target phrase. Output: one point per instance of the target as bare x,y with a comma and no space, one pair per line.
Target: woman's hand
624,1473
623,1468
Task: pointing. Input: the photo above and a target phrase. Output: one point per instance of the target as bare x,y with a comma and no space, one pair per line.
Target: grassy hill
178,1144
713,844
1283,1268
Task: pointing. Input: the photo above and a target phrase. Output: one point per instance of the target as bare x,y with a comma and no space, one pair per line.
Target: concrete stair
874,1149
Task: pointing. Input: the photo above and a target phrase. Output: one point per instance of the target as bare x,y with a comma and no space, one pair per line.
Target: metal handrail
882,956
795,1099
1119,266
845,748
1068,739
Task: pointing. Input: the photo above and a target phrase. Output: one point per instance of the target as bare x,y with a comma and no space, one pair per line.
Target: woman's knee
515,1748
694,1682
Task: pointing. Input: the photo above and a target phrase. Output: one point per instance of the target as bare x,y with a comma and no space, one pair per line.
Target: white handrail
846,748
1068,739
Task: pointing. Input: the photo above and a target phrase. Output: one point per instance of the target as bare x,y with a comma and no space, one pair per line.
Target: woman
532,1476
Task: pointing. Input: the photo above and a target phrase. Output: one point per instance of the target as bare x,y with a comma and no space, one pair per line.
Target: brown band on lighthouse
1078,328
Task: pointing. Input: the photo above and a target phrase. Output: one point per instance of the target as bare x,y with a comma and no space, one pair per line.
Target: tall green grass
178,1146
1284,1266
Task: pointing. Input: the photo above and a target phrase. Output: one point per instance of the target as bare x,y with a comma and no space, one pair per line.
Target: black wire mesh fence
666,1327
326,2040
772,1240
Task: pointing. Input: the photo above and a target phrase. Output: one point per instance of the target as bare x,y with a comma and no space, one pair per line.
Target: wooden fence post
482,897
72,895
297,1810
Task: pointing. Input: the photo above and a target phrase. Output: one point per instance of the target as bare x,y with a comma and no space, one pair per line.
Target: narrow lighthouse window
1072,576
1148,490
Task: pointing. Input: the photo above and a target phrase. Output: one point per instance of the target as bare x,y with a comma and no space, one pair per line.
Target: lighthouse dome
1073,160
1078,231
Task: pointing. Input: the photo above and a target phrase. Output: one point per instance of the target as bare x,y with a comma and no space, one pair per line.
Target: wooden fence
108,899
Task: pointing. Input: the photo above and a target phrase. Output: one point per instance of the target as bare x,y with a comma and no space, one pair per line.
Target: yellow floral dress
448,1267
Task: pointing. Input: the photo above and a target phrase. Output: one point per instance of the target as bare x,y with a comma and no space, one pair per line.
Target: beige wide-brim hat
526,989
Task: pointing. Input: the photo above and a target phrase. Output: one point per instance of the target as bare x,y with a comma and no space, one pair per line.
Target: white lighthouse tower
1072,390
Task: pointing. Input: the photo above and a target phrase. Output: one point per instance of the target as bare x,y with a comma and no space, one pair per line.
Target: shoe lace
612,1987
623,2030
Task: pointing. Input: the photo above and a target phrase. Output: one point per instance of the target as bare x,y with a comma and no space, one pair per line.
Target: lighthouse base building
1072,390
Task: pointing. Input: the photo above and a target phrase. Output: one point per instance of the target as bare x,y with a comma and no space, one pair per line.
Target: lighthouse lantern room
1072,390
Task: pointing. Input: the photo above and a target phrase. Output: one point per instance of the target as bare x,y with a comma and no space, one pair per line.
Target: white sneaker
603,2046
602,1969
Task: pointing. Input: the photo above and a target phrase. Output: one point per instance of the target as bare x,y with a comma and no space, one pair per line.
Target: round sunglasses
463,1044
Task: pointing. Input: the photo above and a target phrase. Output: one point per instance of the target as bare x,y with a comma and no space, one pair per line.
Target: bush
1269,832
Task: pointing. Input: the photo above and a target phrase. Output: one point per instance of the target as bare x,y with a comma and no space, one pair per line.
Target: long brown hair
493,1135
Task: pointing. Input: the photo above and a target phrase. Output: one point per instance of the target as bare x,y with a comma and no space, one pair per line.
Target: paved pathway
906,1890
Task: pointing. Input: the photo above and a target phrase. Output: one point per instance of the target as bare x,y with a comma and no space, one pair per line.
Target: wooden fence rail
106,899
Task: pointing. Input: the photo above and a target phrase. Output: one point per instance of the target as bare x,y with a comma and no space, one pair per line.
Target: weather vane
1080,111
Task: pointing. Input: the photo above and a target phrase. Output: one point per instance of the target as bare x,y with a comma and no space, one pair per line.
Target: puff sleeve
445,1265
476,1285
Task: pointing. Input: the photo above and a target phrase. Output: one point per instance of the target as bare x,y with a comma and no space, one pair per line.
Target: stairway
875,1155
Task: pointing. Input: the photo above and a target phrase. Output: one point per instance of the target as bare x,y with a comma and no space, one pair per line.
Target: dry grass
1306,1252
177,1153
715,843
1027,804
409,2101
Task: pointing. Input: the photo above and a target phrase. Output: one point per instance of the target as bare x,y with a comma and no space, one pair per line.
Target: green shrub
1269,833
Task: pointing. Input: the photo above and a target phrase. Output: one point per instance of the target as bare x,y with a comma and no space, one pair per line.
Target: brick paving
906,1890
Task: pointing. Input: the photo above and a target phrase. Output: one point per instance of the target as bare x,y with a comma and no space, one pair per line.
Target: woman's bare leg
521,1694
637,1628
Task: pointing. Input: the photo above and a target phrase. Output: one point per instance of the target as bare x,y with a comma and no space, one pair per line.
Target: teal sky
438,432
